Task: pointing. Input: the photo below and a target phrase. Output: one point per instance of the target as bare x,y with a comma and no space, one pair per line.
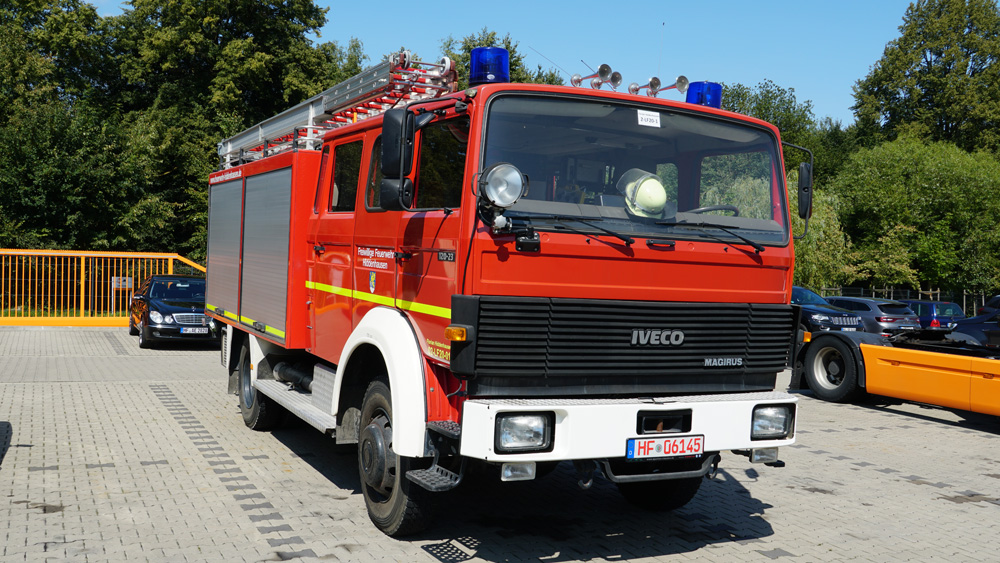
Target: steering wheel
720,207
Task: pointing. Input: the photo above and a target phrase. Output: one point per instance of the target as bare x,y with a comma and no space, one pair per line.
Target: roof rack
367,94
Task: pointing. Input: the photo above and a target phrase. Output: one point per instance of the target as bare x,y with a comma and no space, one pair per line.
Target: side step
435,478
297,402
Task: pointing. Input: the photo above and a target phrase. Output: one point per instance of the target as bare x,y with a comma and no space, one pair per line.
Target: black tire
831,371
259,412
670,494
396,505
144,341
132,331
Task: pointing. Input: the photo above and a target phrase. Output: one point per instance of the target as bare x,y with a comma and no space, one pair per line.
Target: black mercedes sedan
171,307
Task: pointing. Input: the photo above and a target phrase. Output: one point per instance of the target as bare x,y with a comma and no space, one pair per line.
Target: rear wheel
669,494
831,371
259,412
395,504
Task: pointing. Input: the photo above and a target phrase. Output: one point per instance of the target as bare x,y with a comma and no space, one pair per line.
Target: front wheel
395,504
144,342
831,371
669,494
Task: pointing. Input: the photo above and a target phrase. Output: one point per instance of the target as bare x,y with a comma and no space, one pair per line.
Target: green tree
939,79
824,257
776,105
460,51
944,194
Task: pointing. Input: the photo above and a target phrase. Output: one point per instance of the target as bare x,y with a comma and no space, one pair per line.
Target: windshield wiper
629,241
755,245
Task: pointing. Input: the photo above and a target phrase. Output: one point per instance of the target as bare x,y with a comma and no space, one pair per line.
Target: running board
297,402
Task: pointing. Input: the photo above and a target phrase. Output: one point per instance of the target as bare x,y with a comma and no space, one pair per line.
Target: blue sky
818,48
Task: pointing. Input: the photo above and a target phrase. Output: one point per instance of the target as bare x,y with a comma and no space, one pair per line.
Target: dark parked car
817,314
881,316
935,314
984,328
991,306
170,307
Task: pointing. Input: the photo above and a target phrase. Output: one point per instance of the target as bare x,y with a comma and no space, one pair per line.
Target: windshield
802,296
178,290
640,170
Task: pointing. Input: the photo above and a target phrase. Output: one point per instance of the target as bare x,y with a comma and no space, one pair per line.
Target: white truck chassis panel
597,429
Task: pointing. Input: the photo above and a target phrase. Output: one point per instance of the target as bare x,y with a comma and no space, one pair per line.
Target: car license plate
646,448
194,330
849,329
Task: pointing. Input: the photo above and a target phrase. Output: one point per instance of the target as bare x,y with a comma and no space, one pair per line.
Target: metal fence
73,288
970,301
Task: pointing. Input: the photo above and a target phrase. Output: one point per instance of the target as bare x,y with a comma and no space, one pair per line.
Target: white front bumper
600,428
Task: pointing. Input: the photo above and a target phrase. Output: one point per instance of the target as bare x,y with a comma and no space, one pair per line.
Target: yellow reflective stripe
372,298
425,309
224,313
434,310
267,329
329,289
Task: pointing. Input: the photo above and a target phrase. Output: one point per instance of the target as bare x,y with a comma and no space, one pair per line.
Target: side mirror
397,143
805,190
396,194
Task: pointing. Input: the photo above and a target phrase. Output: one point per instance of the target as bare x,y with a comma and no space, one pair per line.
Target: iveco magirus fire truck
509,277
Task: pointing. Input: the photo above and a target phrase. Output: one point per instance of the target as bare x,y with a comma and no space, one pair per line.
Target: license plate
645,448
849,329
194,330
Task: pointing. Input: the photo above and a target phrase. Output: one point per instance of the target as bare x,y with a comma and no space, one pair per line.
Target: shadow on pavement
6,433
552,518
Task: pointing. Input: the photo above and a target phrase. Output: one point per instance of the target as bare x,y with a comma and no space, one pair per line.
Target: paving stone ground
112,453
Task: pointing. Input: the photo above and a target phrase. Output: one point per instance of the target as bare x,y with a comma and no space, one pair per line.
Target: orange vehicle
515,274
926,366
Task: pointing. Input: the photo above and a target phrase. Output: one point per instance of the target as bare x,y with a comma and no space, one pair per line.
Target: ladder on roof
367,94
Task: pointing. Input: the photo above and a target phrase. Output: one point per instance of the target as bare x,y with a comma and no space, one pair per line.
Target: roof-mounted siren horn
603,75
653,86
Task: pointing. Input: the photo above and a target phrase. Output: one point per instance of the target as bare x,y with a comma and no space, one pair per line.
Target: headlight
503,184
771,422
820,318
524,432
168,319
156,317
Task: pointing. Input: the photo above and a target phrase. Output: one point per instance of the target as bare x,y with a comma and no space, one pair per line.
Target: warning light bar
399,79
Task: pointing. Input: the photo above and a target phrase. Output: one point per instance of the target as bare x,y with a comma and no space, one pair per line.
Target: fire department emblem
371,282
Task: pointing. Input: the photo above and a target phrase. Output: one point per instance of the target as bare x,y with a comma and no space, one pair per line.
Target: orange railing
71,288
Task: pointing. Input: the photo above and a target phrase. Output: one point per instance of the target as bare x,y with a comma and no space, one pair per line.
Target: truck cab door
374,240
332,250
429,233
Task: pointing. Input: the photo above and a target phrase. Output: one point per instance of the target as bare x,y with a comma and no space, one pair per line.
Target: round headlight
503,184
156,317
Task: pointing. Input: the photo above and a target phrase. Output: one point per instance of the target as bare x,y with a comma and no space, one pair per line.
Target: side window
374,176
324,165
346,173
443,146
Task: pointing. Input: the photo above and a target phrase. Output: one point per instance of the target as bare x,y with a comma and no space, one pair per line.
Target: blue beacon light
705,94
489,65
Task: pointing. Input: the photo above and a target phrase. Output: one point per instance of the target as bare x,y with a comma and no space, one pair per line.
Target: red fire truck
509,276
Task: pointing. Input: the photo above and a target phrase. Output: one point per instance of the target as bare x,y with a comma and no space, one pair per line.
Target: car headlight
820,318
771,422
156,317
524,432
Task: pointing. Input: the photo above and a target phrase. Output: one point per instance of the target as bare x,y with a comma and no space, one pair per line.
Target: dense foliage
108,129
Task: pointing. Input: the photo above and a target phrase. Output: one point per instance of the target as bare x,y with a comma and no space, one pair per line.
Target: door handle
319,249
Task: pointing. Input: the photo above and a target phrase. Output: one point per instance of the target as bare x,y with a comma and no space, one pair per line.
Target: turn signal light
456,333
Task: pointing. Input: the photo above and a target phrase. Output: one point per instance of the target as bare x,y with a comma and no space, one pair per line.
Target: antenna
548,59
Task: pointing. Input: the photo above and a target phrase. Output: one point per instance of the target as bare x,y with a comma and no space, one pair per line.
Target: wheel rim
829,367
378,462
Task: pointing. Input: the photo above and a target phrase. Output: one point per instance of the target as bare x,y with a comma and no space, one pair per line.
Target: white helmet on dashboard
644,193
